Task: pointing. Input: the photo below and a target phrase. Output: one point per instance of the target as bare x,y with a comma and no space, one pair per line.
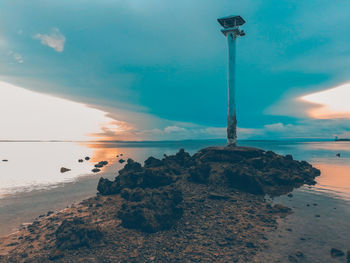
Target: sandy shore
25,207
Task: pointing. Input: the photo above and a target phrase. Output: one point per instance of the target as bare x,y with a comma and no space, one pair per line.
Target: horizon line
184,140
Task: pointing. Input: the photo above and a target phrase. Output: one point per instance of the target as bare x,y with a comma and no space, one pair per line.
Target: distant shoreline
178,141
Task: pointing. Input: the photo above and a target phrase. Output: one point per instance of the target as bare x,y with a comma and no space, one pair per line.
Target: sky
156,69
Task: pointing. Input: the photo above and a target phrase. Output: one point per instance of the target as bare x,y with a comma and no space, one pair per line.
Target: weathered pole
231,30
231,83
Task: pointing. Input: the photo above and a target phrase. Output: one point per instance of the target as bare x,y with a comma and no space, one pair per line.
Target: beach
329,196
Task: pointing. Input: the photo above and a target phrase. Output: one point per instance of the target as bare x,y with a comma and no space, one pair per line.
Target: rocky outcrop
134,175
107,187
150,211
255,171
243,168
151,192
75,233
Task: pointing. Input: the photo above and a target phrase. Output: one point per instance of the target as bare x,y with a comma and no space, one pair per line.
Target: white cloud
55,39
331,103
36,116
277,127
16,56
171,129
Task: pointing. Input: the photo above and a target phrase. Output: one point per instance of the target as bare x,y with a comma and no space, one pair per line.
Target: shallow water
31,182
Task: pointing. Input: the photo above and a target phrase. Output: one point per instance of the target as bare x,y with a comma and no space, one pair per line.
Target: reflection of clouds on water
36,165
334,179
101,152
332,146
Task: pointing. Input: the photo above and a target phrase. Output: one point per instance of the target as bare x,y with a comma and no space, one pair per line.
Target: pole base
231,143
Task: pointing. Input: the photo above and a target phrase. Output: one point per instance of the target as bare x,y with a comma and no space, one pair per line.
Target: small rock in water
290,195
338,154
87,158
80,160
292,259
64,169
121,161
5,160
95,170
299,254
336,253
348,257
98,165
121,154
317,216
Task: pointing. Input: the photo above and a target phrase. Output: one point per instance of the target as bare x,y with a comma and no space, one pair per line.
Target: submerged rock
336,253
64,170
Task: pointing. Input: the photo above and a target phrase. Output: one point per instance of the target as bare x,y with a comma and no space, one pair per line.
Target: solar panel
231,21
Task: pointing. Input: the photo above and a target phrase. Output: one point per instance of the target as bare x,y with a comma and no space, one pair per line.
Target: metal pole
231,119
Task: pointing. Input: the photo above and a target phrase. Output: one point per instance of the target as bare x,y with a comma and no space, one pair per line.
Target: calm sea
36,165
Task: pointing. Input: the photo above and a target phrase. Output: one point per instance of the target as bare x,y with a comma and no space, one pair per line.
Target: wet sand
24,207
318,224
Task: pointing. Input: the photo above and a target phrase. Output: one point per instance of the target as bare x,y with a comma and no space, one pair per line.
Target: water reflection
334,180
36,165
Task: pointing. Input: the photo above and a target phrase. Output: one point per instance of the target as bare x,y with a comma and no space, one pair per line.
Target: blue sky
160,66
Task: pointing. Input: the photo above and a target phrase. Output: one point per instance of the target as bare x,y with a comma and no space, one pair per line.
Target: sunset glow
331,103
28,115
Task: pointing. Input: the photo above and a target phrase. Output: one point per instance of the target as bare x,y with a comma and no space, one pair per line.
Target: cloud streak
55,39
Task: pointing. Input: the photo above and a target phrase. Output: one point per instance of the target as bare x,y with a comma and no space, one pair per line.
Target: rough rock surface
150,211
75,233
209,207
243,168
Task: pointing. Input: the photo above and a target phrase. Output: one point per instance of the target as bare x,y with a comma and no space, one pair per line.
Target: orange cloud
329,104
